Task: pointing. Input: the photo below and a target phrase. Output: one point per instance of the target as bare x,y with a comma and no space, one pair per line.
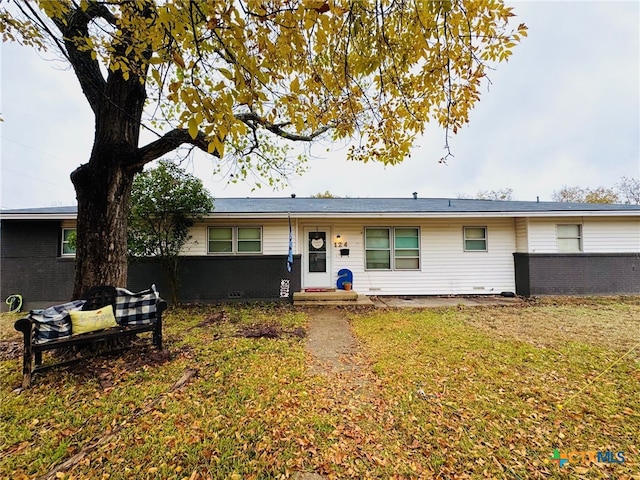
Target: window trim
235,240
391,230
64,242
238,241
485,238
395,248
579,237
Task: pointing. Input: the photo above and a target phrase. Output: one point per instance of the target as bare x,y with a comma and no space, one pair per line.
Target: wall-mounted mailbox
344,252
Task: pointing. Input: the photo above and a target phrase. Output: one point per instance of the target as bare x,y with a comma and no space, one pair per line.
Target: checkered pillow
136,308
53,322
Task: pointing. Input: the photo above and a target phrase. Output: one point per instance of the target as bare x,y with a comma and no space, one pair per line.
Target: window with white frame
569,238
389,248
406,249
475,239
235,240
68,242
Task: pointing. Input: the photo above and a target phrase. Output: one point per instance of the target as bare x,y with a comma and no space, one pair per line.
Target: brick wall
31,265
577,274
210,279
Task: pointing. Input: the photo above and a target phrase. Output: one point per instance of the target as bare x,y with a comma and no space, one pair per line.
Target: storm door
317,257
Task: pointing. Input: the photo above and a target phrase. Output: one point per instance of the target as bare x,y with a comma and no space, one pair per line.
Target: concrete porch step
331,295
330,298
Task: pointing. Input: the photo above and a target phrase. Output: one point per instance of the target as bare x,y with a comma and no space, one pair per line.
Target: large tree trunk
103,187
103,199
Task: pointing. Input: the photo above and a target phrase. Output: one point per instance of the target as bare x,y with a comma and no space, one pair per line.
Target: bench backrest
98,297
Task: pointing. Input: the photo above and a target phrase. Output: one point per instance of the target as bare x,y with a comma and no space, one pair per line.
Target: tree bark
103,187
103,198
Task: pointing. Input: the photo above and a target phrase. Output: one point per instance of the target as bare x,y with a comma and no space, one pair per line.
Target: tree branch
169,142
253,120
74,27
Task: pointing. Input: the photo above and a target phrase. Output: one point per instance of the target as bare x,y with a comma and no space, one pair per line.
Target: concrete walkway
426,302
330,341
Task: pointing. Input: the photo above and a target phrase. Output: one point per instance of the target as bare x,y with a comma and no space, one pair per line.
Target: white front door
317,257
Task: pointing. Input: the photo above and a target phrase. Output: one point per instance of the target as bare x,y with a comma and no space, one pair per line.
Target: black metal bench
96,298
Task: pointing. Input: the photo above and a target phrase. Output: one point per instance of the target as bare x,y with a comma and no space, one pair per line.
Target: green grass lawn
477,392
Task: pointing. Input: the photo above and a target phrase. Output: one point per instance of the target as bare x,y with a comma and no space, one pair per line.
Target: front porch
330,297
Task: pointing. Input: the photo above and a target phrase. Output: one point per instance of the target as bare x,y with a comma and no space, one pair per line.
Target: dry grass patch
7,332
548,322
476,396
10,339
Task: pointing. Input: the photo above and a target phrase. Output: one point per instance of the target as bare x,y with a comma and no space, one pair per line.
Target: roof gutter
38,216
426,214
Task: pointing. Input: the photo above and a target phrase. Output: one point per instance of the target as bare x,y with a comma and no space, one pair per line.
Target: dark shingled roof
399,205
352,206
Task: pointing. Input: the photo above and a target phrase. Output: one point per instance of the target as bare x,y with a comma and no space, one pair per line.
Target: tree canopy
325,194
586,195
230,71
230,76
628,189
505,194
165,201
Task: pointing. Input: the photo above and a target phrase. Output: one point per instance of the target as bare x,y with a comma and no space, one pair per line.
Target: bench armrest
24,325
161,306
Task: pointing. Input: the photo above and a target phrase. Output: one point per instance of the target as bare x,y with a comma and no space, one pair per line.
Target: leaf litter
440,397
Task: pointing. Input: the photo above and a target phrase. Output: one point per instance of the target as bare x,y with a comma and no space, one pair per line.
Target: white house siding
611,235
197,244
542,233
447,268
522,235
275,238
599,234
444,266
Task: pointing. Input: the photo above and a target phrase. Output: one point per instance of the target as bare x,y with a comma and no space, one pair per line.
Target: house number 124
340,244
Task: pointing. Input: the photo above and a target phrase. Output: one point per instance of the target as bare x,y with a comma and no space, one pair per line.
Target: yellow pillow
92,320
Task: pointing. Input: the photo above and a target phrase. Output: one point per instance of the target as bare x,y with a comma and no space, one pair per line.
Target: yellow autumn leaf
193,128
226,73
156,75
295,85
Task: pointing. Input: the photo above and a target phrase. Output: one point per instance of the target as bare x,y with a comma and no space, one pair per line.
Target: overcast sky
564,110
